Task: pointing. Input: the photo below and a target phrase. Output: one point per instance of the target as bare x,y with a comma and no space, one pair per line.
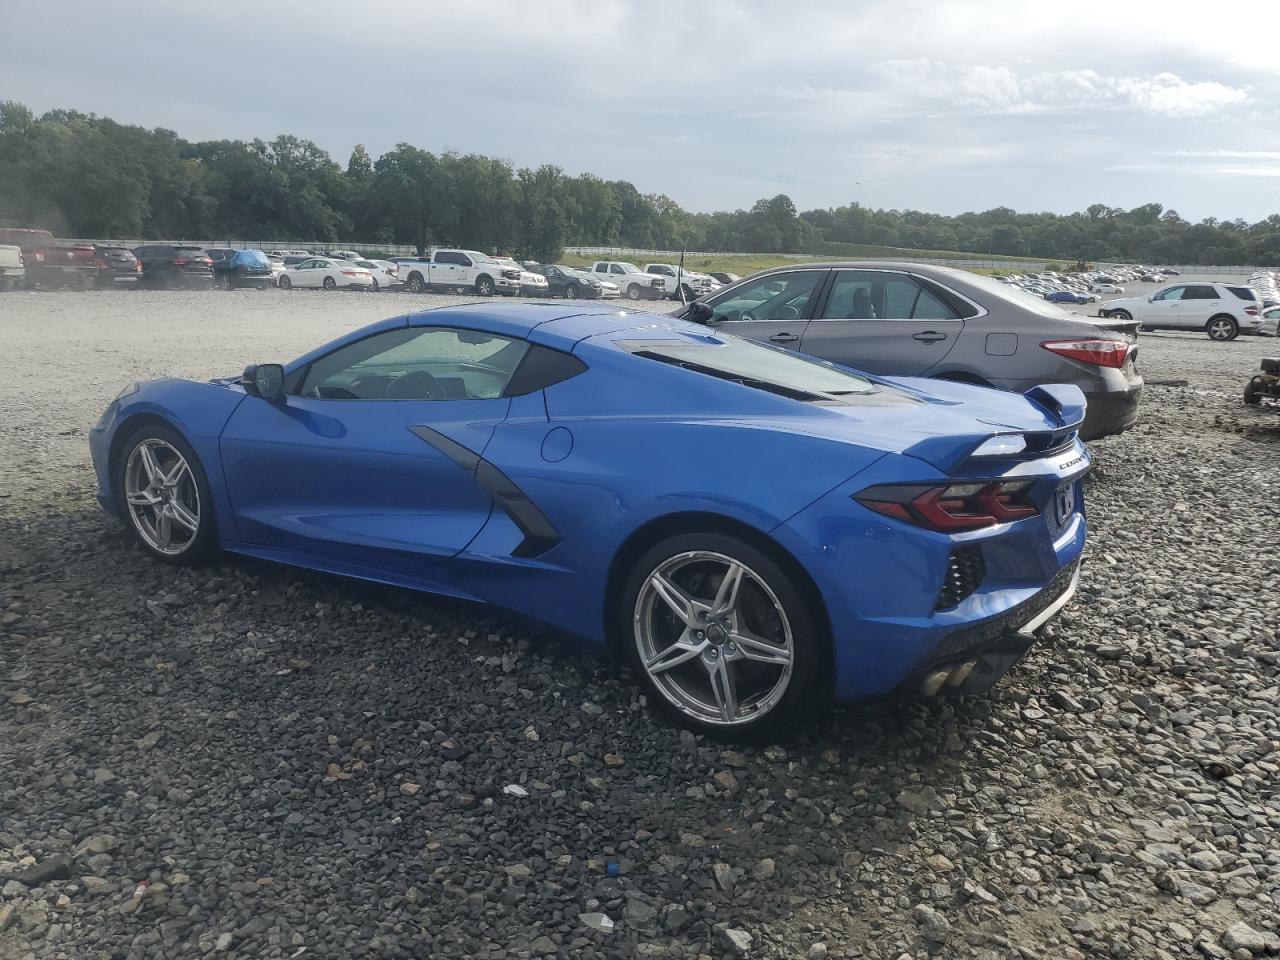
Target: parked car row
1265,282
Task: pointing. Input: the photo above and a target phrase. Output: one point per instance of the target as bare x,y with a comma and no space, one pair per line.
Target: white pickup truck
634,283
458,269
673,278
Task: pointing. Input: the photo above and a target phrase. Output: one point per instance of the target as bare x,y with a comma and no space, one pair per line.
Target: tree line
81,175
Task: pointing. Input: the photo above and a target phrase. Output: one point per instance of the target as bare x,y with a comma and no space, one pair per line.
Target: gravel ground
252,761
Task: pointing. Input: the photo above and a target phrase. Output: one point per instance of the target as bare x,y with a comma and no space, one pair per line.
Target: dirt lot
250,761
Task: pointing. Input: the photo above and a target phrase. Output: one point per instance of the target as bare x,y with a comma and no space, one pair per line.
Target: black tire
284,283
1122,315
810,646
685,292
633,291
484,286
205,541
571,292
414,283
330,284
1253,392
1222,328
374,288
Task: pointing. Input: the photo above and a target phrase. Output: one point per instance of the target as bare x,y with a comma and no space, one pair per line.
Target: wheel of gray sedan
1122,315
164,496
720,635
1222,328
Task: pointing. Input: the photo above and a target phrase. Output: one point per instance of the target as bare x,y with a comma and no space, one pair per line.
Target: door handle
929,336
783,338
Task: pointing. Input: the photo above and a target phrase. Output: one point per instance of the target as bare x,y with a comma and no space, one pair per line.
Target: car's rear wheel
375,285
330,283
1253,392
1222,328
414,283
164,495
284,283
720,635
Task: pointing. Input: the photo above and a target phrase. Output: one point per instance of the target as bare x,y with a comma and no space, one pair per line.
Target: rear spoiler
1063,403
1126,328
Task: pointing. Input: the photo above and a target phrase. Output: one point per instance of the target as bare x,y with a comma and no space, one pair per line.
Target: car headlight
131,388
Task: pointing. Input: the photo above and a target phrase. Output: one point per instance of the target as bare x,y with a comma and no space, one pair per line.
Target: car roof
551,324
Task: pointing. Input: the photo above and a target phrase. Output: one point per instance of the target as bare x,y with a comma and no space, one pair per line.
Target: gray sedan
913,320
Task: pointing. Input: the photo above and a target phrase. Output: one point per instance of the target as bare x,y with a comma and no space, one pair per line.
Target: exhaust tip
933,682
961,673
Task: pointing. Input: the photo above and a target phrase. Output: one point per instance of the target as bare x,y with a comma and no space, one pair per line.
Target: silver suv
1222,310
912,320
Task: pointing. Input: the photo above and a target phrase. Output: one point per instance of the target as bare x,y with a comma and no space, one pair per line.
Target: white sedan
327,274
386,275
1106,288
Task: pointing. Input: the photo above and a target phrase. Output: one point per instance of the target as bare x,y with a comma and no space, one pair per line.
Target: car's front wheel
721,635
1124,316
284,283
1222,329
164,495
571,292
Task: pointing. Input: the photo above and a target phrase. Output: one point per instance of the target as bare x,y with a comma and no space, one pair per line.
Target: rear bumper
1110,412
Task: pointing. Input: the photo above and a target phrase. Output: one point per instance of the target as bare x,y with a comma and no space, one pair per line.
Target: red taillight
1251,311
1100,352
39,256
350,273
181,262
953,507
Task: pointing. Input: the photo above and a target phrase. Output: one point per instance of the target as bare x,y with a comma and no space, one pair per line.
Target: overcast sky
941,106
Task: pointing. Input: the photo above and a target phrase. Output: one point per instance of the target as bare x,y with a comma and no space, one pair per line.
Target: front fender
197,410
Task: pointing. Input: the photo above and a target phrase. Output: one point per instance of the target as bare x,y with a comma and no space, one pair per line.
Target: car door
774,308
306,274
1199,302
1163,308
883,321
363,462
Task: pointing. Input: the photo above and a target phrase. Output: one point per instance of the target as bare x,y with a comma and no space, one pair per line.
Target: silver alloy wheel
1220,329
162,496
714,638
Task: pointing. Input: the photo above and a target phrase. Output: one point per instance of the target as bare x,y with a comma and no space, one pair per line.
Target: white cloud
999,89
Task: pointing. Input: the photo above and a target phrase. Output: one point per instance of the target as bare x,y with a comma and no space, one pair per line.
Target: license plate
1064,504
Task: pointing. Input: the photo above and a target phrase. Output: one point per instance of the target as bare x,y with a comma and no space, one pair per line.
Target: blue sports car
753,529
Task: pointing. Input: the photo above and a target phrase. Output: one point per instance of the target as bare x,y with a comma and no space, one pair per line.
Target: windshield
754,364
250,258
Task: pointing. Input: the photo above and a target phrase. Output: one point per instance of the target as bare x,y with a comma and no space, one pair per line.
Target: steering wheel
744,315
417,385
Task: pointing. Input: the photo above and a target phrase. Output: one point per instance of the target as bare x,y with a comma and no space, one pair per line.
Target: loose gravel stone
1113,796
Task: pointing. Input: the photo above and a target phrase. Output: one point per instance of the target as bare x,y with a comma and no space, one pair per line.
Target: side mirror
700,312
265,380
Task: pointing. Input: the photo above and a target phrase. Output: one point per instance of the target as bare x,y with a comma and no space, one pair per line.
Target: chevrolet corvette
754,530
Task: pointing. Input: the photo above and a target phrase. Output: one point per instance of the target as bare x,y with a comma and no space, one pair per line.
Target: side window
1200,292
777,296
1173,293
463,260
417,363
879,295
616,269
